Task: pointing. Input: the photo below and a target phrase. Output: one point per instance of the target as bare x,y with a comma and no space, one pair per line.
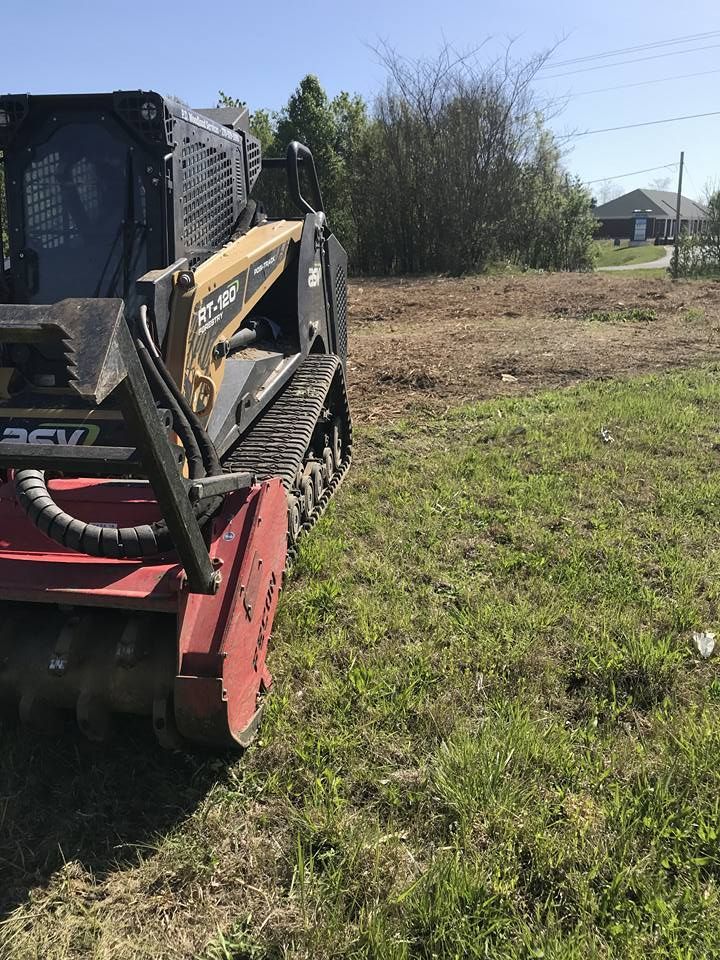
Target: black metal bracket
156,288
219,485
95,461
102,360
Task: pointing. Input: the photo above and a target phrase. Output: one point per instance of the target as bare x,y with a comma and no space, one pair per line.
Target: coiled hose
144,540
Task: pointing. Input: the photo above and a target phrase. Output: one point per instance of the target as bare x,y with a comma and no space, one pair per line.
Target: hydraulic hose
131,543
207,448
196,466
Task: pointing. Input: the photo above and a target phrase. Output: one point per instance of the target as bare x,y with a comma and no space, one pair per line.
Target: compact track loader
173,412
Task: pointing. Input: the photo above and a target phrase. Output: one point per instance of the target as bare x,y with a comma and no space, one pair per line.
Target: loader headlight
149,110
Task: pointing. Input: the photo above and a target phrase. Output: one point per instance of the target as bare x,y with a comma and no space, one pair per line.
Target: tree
661,183
334,130
466,171
710,237
556,215
309,117
609,190
452,167
261,126
699,256
224,100
260,121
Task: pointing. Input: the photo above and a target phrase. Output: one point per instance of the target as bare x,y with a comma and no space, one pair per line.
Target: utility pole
676,251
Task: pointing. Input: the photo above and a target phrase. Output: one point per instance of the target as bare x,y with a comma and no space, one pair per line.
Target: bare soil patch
438,342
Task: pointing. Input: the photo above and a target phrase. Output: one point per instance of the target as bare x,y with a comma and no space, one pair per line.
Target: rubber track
276,445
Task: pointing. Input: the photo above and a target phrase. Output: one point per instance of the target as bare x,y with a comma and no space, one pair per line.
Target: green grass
626,315
649,273
490,735
611,256
506,268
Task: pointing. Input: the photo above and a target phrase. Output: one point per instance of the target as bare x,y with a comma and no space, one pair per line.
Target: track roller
307,497
294,519
328,466
316,476
337,442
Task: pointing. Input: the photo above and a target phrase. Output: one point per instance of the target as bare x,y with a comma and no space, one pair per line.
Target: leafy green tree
699,255
308,117
261,125
711,236
334,131
554,224
225,100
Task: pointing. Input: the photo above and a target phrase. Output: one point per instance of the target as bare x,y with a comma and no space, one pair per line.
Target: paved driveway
661,263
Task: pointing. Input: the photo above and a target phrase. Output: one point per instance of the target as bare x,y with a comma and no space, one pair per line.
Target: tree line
699,256
451,168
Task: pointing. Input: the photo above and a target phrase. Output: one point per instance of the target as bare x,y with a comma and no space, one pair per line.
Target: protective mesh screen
46,222
85,181
208,186
254,159
146,114
3,207
83,225
341,304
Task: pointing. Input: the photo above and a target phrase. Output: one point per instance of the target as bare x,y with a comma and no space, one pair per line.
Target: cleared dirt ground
438,342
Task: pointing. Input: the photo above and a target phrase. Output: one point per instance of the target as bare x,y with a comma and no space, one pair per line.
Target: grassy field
610,256
490,733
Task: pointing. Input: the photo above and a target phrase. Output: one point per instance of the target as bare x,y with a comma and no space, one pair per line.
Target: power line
642,83
692,181
622,63
633,173
647,123
635,49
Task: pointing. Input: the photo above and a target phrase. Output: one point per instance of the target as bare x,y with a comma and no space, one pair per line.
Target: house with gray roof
647,215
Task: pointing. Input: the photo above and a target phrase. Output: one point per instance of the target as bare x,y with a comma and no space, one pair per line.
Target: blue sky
260,51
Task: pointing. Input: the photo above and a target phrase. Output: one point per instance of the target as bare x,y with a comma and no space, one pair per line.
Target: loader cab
103,188
82,221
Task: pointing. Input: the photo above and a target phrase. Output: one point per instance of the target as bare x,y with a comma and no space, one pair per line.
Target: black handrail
296,153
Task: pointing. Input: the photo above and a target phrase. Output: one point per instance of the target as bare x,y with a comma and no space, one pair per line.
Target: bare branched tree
608,190
661,183
469,159
451,168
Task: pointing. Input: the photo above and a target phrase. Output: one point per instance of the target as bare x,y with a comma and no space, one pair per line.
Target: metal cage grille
208,193
45,220
147,114
191,176
254,159
48,222
341,304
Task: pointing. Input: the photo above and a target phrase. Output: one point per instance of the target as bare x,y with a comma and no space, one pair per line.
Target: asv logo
314,274
61,436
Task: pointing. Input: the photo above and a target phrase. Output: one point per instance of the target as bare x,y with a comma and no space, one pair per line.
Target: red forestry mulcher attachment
173,413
